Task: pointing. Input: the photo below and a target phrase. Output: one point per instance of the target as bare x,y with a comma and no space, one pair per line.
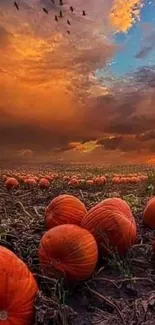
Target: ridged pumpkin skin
68,251
112,224
149,214
17,290
64,209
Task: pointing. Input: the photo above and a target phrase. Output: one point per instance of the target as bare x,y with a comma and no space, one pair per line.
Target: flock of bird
60,12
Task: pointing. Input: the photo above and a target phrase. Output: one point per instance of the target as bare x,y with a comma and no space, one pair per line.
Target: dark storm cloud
147,136
146,76
35,137
25,136
130,112
131,143
132,125
110,143
123,143
119,113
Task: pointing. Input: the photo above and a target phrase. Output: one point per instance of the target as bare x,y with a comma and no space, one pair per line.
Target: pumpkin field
54,219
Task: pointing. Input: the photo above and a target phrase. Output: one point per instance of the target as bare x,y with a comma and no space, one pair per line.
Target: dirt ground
122,290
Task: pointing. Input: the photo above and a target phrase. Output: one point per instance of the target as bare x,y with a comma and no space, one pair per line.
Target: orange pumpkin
90,182
11,182
30,182
112,224
73,181
64,209
98,180
116,180
149,214
74,177
44,183
17,290
103,179
123,180
68,251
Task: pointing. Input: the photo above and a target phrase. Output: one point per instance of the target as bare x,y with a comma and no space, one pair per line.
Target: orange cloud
50,95
124,13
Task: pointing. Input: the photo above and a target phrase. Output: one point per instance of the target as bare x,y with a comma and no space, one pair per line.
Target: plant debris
122,290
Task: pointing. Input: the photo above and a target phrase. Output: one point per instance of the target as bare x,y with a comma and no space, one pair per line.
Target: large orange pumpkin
64,209
149,214
112,224
11,182
68,251
17,290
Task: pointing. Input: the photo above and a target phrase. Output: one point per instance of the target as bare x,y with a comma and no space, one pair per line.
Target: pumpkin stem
3,315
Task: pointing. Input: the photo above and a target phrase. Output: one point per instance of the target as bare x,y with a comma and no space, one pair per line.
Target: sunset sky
84,96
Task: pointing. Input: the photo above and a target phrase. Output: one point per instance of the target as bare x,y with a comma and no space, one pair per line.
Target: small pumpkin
112,224
90,182
44,183
134,179
11,183
123,180
64,209
30,182
18,289
73,181
98,180
68,251
149,214
103,179
116,180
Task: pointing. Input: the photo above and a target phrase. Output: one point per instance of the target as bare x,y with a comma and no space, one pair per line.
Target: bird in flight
84,13
68,22
71,9
56,18
45,10
68,31
60,15
16,5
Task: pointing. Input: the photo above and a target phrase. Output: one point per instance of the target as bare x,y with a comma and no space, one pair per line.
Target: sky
85,96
